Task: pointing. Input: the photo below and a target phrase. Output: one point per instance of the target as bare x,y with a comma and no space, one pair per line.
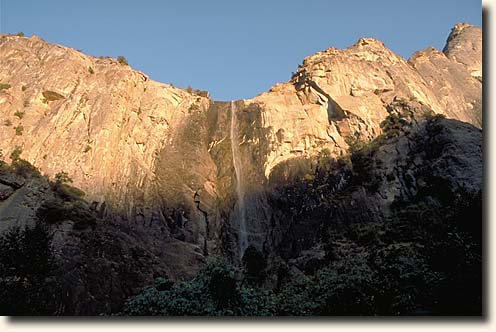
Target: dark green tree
29,275
254,263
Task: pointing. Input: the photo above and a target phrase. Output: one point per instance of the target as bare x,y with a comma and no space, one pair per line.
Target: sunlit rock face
159,159
94,118
340,93
464,46
456,73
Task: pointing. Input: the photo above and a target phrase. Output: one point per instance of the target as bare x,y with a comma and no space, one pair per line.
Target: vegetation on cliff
360,198
30,278
424,257
420,261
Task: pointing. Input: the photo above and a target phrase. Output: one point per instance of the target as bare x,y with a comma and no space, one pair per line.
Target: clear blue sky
234,49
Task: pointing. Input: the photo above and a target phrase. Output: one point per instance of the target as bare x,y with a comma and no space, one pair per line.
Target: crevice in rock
334,111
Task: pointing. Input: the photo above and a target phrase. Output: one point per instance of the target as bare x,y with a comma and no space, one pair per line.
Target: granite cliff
172,177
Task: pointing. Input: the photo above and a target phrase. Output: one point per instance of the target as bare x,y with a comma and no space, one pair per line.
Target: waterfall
241,209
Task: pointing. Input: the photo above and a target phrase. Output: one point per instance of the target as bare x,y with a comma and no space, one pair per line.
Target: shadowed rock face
103,261
157,161
440,155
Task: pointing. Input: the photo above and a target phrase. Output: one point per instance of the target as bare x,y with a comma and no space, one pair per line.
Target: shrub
25,169
62,187
163,284
193,107
398,101
68,192
202,93
197,92
428,114
24,88
4,86
4,167
20,166
122,60
363,163
221,284
20,34
323,163
62,177
254,265
16,154
53,211
19,114
52,95
393,124
91,70
57,210
214,292
7,123
354,143
298,297
19,129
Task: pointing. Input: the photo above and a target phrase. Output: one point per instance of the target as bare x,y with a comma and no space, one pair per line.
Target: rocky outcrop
456,73
464,46
341,93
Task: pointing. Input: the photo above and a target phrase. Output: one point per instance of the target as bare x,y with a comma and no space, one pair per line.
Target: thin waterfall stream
240,193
